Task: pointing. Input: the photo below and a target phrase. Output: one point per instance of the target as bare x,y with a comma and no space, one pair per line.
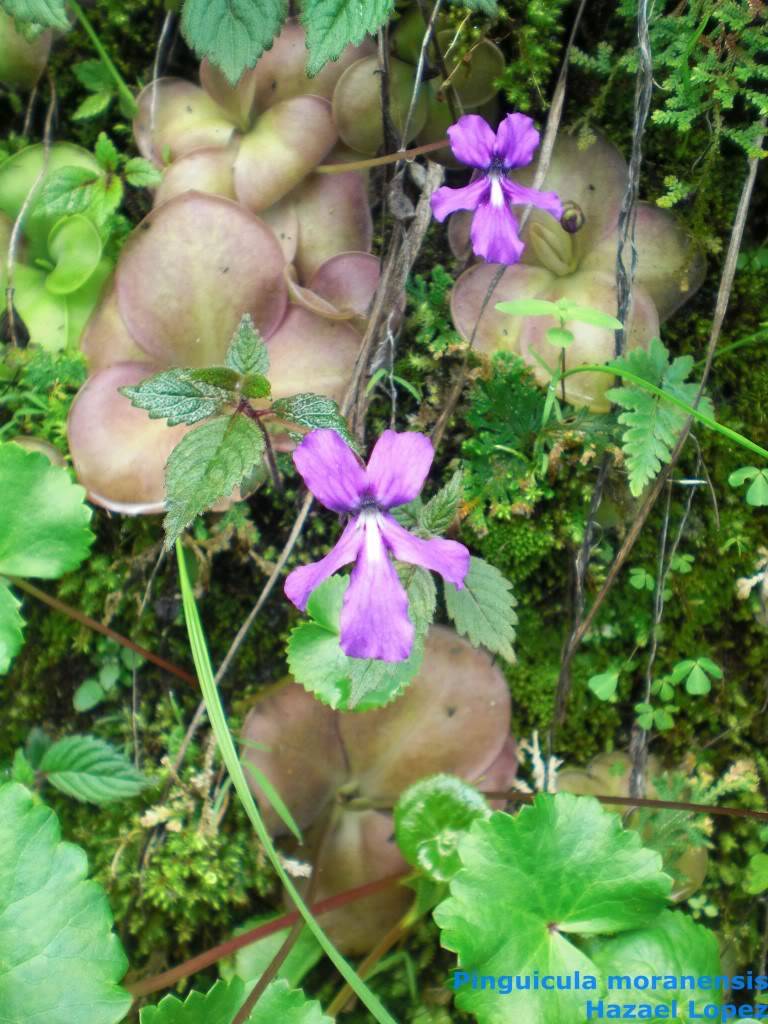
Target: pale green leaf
88,695
332,25
44,520
430,819
484,609
528,307
232,34
206,465
61,962
91,770
11,627
316,660
93,105
562,867
604,685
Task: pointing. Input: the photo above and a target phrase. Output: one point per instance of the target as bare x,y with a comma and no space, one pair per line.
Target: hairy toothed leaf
440,511
430,819
94,75
44,529
93,105
332,25
67,190
561,867
316,660
220,1005
106,153
247,353
206,465
232,34
653,424
46,13
316,412
675,945
422,595
141,173
91,770
178,396
11,627
484,609
61,962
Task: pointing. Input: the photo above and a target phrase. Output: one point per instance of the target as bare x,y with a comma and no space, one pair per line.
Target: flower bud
573,218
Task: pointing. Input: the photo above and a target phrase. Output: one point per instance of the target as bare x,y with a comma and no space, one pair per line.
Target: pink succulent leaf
334,215
494,232
446,557
204,170
374,616
302,581
176,117
398,467
331,471
348,281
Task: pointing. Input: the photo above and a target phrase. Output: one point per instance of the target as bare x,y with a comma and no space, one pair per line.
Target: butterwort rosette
374,616
495,230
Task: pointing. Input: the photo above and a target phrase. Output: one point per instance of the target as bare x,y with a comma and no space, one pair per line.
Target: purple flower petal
447,557
516,140
519,195
374,618
302,581
472,141
494,234
398,467
330,470
447,200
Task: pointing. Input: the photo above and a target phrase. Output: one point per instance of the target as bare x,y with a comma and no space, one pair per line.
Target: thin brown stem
98,627
382,947
634,801
157,982
380,161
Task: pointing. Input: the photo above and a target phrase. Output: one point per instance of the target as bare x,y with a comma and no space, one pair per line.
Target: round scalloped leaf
559,867
430,819
44,528
220,1005
190,271
62,964
673,946
11,626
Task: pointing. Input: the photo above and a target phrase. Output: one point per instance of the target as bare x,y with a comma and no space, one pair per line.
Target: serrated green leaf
484,609
178,396
673,946
247,352
67,190
106,152
11,627
316,660
430,819
141,173
61,961
91,770
255,385
422,595
653,424
561,867
332,25
94,75
441,510
316,412
44,520
220,1005
48,13
206,465
93,105
232,34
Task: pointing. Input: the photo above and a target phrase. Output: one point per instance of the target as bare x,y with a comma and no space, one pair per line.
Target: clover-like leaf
672,946
698,674
317,661
43,519
604,685
90,770
484,609
62,963
220,1005
757,492
207,464
561,866
430,819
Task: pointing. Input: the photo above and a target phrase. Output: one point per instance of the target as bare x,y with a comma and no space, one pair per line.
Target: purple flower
374,618
494,226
